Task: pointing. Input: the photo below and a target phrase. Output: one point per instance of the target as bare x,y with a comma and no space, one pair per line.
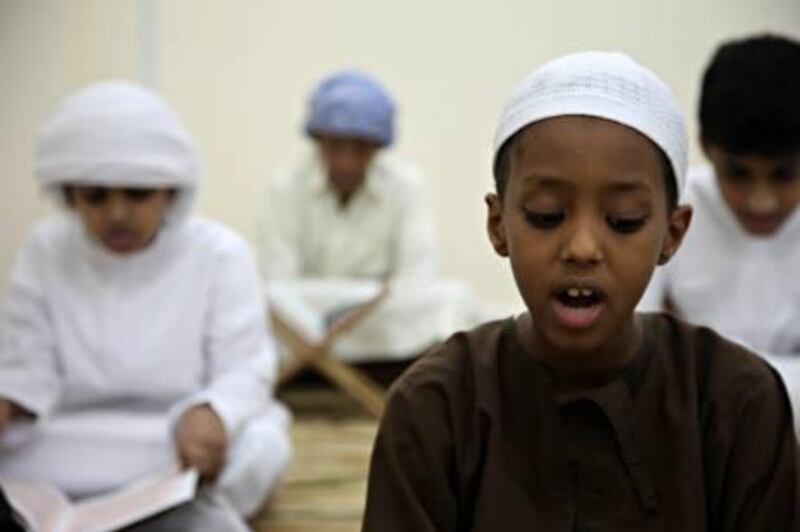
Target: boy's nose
117,207
763,200
345,163
582,247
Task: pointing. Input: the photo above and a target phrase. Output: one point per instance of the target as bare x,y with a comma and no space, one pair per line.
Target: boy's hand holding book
8,412
5,414
202,442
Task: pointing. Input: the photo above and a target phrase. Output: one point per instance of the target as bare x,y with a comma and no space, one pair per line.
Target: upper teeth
577,292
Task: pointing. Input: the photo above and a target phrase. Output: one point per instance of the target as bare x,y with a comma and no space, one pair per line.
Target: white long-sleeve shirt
742,286
93,341
327,255
386,229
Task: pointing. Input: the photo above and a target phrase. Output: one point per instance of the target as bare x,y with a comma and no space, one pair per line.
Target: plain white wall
238,73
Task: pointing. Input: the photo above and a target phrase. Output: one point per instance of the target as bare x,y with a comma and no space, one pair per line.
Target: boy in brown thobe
580,414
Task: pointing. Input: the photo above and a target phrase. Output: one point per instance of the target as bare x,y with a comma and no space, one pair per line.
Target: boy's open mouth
578,306
121,240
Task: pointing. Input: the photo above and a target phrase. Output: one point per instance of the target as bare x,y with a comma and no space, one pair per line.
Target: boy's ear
705,146
677,225
494,224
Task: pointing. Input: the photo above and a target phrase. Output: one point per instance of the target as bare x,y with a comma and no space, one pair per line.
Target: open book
43,508
311,306
369,319
305,320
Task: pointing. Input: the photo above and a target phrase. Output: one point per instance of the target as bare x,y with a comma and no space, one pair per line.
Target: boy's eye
94,195
544,220
737,174
625,225
785,174
138,194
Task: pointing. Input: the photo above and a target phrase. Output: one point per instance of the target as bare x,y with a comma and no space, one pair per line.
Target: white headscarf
118,134
607,85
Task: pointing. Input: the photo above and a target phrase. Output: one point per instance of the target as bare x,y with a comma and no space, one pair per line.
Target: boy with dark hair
738,267
581,414
749,97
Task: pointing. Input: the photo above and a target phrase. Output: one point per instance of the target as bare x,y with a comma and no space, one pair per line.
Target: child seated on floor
135,337
581,414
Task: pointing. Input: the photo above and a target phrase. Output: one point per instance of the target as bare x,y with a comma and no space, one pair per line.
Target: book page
287,303
41,506
327,295
133,503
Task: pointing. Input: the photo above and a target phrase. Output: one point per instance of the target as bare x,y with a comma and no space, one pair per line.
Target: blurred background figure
738,268
347,209
348,217
134,334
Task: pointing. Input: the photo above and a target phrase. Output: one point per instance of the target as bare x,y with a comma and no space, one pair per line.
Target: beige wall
48,48
238,72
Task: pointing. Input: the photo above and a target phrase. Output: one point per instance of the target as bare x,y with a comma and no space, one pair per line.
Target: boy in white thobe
349,213
134,334
737,270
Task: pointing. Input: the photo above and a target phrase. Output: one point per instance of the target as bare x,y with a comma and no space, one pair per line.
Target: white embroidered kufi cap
607,85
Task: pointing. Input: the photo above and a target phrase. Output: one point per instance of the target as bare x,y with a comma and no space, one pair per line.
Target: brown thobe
694,434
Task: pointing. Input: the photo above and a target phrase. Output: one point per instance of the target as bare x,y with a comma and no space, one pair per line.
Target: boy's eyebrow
630,186
546,181
622,185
